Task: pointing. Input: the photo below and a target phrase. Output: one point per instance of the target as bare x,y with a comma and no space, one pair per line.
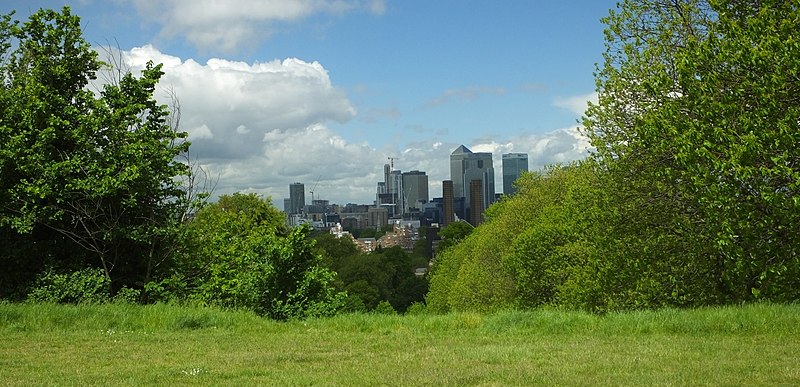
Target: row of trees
691,197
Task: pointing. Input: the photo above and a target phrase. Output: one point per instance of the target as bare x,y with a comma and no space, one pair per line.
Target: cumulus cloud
231,24
576,104
227,106
260,126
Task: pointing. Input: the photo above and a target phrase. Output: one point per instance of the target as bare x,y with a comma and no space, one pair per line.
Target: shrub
88,285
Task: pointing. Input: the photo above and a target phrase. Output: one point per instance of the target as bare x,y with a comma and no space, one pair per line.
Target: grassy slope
165,345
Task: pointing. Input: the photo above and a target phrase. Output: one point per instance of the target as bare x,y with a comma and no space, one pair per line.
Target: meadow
115,344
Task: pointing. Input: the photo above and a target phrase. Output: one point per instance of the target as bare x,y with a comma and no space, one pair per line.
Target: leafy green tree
79,170
240,255
696,120
454,233
335,251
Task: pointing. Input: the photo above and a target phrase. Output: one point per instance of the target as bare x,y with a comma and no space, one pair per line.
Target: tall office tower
476,198
466,166
287,204
387,181
415,190
513,166
297,198
396,189
447,197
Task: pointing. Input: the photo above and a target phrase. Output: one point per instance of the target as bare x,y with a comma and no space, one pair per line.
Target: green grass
169,345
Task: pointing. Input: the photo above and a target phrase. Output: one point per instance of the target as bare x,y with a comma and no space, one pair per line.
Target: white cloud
231,24
229,105
576,104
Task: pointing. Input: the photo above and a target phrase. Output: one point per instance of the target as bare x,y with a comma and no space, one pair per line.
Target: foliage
239,255
92,174
691,196
84,286
696,111
384,307
368,279
454,233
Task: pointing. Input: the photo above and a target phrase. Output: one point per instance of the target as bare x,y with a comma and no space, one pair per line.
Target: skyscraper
513,166
447,196
466,166
297,198
476,199
415,190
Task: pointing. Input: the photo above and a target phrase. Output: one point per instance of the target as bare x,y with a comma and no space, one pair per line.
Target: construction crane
315,187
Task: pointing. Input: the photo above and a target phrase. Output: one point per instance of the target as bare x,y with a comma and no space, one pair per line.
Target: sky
324,92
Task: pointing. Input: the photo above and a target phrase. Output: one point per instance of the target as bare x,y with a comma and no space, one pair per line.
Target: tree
80,169
454,233
698,120
240,255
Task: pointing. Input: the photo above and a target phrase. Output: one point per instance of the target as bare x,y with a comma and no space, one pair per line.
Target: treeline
692,196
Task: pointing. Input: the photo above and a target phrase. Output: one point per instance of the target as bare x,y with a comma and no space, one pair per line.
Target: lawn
170,345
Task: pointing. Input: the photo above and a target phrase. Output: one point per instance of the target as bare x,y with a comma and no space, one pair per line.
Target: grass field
169,345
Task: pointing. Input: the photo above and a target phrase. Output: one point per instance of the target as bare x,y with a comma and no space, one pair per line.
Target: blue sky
274,92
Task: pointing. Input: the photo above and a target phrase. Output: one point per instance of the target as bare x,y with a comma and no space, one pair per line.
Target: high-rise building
466,166
476,199
447,196
387,181
297,198
396,189
513,166
415,190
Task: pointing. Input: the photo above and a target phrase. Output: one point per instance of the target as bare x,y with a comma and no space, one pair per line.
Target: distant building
447,196
476,202
466,166
415,191
396,189
514,164
378,217
297,198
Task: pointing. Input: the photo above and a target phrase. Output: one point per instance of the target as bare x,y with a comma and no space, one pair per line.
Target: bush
127,295
416,308
88,285
384,307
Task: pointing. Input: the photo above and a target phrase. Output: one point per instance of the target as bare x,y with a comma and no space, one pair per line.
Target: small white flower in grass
193,371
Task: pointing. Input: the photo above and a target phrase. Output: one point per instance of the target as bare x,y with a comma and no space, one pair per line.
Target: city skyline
275,92
414,187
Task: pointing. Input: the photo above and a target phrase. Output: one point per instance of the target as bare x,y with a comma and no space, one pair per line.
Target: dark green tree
90,174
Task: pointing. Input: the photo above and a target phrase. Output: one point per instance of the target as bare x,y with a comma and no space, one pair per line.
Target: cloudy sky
324,91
